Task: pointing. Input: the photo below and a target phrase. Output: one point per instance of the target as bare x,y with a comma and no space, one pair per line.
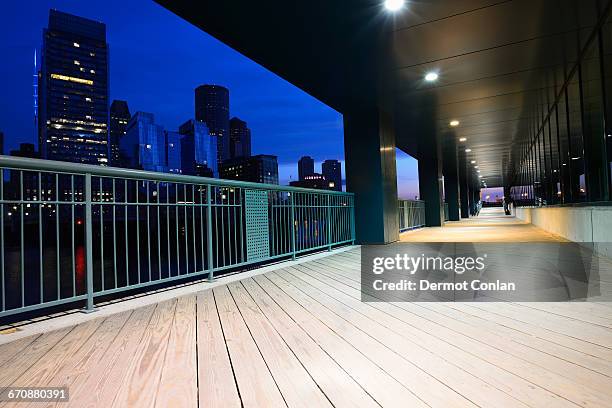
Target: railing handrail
26,163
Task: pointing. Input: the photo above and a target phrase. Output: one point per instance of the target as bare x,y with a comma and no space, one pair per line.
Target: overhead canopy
496,59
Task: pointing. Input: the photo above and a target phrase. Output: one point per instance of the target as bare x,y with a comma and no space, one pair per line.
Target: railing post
329,225
209,245
293,231
352,209
89,244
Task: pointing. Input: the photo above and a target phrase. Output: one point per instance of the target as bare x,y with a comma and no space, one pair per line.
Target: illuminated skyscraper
198,150
332,170
73,93
240,139
305,167
119,118
143,145
212,108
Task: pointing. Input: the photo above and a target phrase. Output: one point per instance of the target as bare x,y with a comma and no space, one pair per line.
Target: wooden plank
140,385
98,386
482,329
561,380
49,364
481,309
468,376
179,386
383,387
12,349
255,382
294,382
85,358
22,362
336,383
217,387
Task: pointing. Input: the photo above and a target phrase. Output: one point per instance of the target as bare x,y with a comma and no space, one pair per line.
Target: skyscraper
262,168
119,118
212,108
305,167
173,152
332,170
1,143
198,149
144,144
73,92
240,139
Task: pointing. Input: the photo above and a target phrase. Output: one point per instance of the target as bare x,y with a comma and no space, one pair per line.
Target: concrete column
463,185
369,145
430,175
451,176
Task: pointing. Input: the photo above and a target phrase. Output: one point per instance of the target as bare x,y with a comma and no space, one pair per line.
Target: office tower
332,170
199,150
73,92
1,143
143,145
119,118
212,108
240,139
173,152
257,169
35,89
305,167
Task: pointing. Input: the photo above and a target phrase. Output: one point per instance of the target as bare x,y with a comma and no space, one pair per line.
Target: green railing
71,232
411,214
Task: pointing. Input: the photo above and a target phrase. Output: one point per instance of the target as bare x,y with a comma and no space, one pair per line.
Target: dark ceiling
496,59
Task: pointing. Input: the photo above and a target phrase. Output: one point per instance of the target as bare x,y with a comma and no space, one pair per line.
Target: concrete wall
592,225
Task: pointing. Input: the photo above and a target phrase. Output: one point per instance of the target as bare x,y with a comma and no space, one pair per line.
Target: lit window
76,62
72,79
88,99
76,44
92,54
92,71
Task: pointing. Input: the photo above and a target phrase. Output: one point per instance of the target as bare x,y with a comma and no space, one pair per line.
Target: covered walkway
492,225
300,336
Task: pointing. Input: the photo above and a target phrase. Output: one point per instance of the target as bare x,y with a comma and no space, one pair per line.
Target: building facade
257,169
332,170
212,108
119,118
199,150
143,145
240,139
173,150
305,167
73,91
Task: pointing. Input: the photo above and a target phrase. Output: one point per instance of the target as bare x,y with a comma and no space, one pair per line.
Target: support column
430,175
369,145
451,176
463,186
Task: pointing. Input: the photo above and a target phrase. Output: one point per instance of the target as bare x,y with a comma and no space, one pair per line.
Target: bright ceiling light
454,123
394,5
431,76
475,167
463,139
473,161
468,150
479,176
477,171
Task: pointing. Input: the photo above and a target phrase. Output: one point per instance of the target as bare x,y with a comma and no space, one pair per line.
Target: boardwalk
301,337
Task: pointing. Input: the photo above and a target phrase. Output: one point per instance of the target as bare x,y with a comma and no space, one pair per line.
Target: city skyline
158,73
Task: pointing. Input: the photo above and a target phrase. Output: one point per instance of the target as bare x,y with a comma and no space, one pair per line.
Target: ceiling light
473,161
479,176
475,167
477,171
575,158
431,76
463,139
394,5
454,123
468,150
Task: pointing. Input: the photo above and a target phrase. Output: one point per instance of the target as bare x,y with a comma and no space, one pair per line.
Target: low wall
578,224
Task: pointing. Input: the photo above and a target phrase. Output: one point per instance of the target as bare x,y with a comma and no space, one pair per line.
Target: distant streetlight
431,76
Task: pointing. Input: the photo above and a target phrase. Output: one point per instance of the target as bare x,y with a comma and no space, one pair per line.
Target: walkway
492,225
301,337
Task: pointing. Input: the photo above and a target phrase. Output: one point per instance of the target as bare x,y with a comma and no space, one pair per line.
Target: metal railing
71,232
411,214
446,216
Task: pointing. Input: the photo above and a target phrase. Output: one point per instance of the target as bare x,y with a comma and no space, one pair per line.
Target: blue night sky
156,61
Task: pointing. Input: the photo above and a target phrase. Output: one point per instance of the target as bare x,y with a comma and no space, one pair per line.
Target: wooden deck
301,337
